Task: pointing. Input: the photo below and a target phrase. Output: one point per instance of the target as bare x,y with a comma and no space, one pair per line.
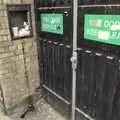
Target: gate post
74,57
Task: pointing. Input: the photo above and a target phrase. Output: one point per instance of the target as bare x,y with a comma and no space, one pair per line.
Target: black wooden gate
98,69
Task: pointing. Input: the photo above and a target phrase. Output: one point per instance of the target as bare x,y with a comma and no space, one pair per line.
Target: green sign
52,23
102,28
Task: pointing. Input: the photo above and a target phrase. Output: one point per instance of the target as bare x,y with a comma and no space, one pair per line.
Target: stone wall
19,72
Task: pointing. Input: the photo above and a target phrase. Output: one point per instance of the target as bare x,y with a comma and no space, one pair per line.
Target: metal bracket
74,60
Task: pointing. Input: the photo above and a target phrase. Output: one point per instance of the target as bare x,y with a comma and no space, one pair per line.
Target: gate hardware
74,60
110,57
110,5
66,13
40,39
98,54
98,65
88,51
58,96
50,8
68,46
119,61
79,49
61,44
44,40
119,65
84,114
50,41
55,43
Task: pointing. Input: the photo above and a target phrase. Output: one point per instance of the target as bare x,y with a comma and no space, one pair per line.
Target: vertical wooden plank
79,93
111,78
45,64
100,68
88,81
56,54
80,80
116,97
67,73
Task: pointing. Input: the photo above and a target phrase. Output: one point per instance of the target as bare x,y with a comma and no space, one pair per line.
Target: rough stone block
14,81
7,1
16,1
14,91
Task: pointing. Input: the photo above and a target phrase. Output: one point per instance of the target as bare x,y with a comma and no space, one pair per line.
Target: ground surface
43,112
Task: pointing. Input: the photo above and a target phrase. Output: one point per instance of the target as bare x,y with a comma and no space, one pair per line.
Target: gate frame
74,57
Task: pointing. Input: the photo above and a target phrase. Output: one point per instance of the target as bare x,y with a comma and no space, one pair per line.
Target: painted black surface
98,73
96,84
57,68
92,2
93,44
58,104
67,22
54,3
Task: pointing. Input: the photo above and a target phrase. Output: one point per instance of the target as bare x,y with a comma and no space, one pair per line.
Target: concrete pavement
3,116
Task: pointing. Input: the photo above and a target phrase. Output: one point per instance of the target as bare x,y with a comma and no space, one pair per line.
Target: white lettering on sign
115,35
52,21
92,31
108,24
115,27
103,35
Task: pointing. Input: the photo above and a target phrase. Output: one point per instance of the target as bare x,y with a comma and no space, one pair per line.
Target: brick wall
19,76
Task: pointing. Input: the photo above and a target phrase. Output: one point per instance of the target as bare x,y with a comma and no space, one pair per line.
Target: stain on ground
43,111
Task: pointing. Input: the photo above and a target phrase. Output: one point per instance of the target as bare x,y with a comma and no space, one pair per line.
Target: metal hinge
74,60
